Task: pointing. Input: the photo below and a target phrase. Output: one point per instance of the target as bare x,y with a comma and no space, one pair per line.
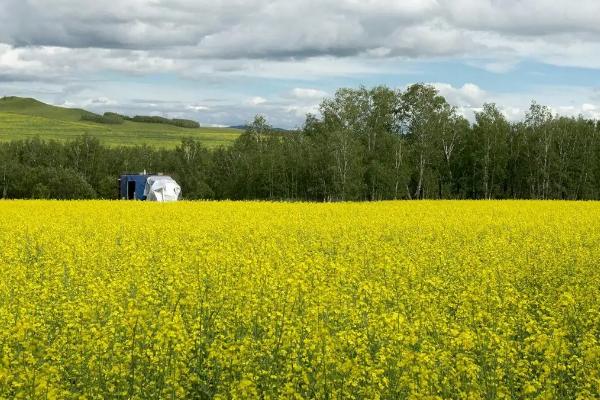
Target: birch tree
490,133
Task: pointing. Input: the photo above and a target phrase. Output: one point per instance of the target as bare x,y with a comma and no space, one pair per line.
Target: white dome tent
162,188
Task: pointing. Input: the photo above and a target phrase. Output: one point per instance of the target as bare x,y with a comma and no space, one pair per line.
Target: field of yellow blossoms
420,300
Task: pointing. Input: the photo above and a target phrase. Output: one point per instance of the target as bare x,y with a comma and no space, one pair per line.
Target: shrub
113,119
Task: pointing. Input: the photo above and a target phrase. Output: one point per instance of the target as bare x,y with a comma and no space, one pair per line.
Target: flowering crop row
275,300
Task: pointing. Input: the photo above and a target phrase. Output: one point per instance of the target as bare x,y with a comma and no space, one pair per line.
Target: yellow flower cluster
420,300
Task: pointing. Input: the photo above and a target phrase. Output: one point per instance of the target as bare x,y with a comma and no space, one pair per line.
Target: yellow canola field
420,300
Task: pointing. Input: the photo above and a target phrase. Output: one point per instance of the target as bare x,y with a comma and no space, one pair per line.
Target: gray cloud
288,28
181,35
16,77
527,18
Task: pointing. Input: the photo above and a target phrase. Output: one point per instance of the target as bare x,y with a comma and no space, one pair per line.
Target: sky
220,62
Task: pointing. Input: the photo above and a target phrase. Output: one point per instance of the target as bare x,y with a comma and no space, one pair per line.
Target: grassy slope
26,118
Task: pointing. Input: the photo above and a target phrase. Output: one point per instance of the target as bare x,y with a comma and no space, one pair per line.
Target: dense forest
365,144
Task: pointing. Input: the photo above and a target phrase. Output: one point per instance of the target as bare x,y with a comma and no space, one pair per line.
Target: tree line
365,144
112,118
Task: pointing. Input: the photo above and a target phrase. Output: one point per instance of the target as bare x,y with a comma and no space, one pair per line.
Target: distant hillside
244,127
25,118
28,106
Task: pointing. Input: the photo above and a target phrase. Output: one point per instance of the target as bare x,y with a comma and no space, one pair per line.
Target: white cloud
469,99
497,66
512,113
256,101
301,111
306,93
197,107
68,104
588,107
469,95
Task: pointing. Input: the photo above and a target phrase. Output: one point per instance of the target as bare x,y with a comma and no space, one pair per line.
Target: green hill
22,118
27,106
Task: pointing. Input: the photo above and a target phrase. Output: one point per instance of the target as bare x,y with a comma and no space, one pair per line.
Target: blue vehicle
131,186
151,187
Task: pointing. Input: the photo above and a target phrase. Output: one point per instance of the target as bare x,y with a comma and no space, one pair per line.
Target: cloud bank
69,43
